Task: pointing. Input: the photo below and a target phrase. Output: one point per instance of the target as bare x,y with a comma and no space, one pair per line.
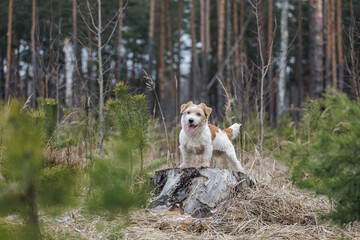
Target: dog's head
194,116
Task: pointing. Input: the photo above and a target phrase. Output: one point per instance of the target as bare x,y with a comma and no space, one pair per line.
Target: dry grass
274,209
67,156
268,211
271,211
77,224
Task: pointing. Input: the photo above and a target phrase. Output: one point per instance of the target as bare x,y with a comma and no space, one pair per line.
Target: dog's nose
191,120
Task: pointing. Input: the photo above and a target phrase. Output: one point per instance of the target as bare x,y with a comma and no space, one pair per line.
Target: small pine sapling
50,117
27,185
131,117
327,156
111,181
141,125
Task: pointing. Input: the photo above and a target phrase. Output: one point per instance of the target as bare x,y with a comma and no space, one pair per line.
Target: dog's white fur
199,137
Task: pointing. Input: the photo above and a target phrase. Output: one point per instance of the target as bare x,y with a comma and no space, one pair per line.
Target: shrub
112,182
50,117
326,155
26,184
131,117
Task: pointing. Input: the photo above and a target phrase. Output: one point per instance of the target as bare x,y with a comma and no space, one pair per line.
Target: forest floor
273,209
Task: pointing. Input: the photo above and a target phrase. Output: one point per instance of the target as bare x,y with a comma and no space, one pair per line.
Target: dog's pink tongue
191,128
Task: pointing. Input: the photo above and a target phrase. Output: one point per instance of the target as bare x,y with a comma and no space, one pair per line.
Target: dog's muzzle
191,126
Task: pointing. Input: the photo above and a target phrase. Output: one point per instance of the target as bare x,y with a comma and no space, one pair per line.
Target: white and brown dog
198,137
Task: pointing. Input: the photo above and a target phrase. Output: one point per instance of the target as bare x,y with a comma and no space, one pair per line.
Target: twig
151,86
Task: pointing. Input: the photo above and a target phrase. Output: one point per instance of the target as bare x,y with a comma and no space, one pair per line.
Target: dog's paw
204,166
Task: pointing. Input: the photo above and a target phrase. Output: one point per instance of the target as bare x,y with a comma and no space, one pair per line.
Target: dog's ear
185,106
207,110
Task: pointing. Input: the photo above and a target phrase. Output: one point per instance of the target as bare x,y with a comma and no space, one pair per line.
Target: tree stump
196,191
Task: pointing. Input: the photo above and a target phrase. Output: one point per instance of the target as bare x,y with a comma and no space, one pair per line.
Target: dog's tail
233,131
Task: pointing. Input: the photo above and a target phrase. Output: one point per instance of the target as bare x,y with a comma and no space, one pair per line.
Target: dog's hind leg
231,156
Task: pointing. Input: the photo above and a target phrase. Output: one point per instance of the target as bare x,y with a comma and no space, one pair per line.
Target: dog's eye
188,112
198,114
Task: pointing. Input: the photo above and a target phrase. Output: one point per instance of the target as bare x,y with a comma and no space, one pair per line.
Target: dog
197,137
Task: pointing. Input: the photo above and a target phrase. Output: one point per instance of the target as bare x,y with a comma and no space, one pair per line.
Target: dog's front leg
206,158
185,157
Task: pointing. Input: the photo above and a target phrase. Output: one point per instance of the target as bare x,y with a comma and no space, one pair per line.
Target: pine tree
113,181
50,117
131,117
27,184
326,154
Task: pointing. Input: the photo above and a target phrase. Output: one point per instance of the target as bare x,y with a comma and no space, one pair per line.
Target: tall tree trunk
150,50
53,73
262,67
228,43
242,61
178,79
298,70
151,35
16,91
221,30
352,53
8,52
316,48
207,36
311,18
91,81
333,45
236,78
180,16
69,71
205,40
33,84
327,29
170,47
101,82
283,52
270,40
193,84
119,43
162,53
263,47
220,52
339,45
76,80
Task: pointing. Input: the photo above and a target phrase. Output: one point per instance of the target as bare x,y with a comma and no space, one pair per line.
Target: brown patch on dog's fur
229,132
207,110
185,106
203,118
213,130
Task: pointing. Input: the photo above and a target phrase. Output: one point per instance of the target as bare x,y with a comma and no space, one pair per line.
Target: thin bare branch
84,20
115,16
91,16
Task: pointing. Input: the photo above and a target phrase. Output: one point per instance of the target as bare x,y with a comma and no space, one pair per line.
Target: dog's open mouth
191,128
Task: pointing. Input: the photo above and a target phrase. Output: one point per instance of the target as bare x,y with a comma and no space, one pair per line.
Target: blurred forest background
90,96
294,48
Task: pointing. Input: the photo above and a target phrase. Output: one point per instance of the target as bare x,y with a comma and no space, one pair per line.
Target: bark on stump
196,191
